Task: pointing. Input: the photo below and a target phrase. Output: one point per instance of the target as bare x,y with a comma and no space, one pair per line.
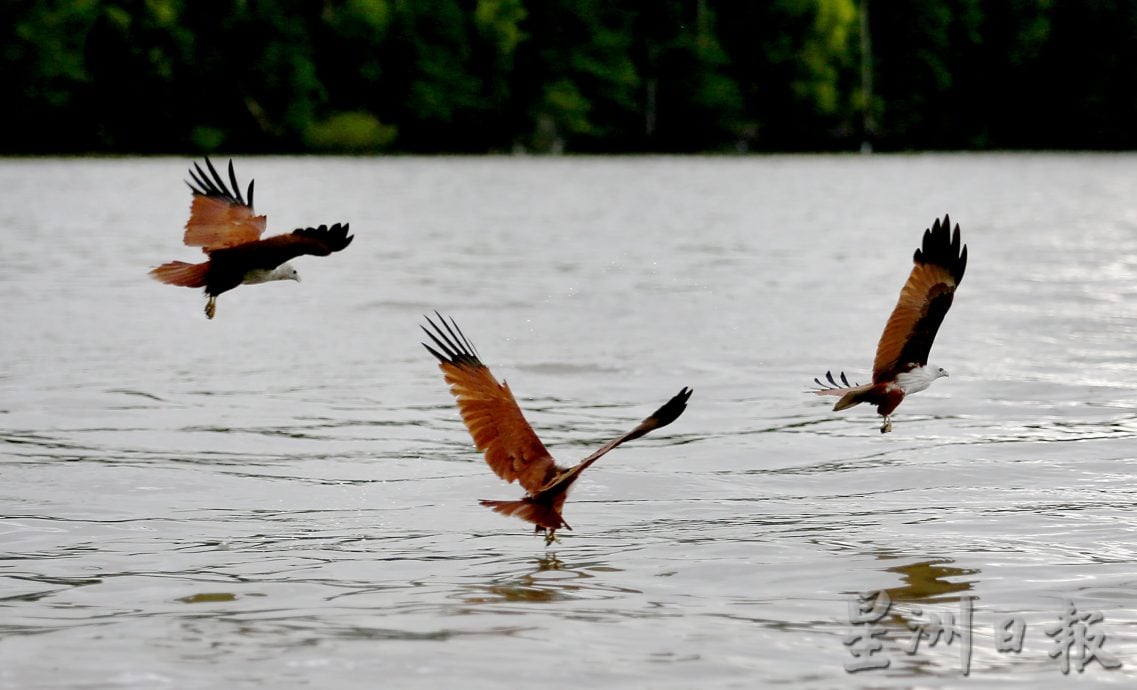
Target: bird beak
945,372
296,277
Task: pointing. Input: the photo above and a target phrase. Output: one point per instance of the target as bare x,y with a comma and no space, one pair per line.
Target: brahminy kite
511,448
901,365
222,222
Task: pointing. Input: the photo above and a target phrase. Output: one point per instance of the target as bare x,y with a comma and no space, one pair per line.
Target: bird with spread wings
512,450
223,223
901,364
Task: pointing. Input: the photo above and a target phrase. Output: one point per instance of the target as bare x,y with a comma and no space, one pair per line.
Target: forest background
589,76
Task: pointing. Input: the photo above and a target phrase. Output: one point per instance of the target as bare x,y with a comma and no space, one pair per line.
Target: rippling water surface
285,496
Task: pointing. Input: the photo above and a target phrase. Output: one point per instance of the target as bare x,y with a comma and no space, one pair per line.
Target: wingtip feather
456,346
942,246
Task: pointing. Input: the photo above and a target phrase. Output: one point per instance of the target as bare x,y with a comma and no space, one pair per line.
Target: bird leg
887,425
549,534
211,306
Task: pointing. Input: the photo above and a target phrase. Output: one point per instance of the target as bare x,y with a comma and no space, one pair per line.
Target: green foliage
499,22
576,75
47,47
358,18
825,52
354,132
207,138
563,111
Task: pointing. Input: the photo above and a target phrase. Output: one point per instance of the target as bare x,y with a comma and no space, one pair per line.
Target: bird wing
924,301
489,410
667,413
273,251
220,217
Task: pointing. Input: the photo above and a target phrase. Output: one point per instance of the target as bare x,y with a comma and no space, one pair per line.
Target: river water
285,496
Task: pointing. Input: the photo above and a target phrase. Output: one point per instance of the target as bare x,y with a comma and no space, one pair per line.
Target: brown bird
901,365
222,222
512,449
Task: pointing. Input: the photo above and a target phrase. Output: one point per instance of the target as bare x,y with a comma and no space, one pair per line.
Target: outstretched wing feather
499,429
924,301
320,241
666,414
219,216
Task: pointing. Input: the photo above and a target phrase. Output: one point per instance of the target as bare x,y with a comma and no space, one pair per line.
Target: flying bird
222,222
901,365
511,448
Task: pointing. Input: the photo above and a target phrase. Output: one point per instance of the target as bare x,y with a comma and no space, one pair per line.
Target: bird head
940,371
285,271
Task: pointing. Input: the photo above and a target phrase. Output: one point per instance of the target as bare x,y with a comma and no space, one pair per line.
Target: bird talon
886,426
211,307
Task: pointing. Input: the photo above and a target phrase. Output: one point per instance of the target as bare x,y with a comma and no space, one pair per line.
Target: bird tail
851,394
182,274
853,397
526,509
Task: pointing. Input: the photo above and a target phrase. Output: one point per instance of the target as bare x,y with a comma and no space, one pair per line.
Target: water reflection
927,581
934,581
550,580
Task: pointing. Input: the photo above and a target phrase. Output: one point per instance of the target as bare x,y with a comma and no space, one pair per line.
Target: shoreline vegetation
566,76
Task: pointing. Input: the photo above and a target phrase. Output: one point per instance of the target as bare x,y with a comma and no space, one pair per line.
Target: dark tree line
143,76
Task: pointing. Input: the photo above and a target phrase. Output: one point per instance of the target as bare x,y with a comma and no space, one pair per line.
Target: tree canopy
163,76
